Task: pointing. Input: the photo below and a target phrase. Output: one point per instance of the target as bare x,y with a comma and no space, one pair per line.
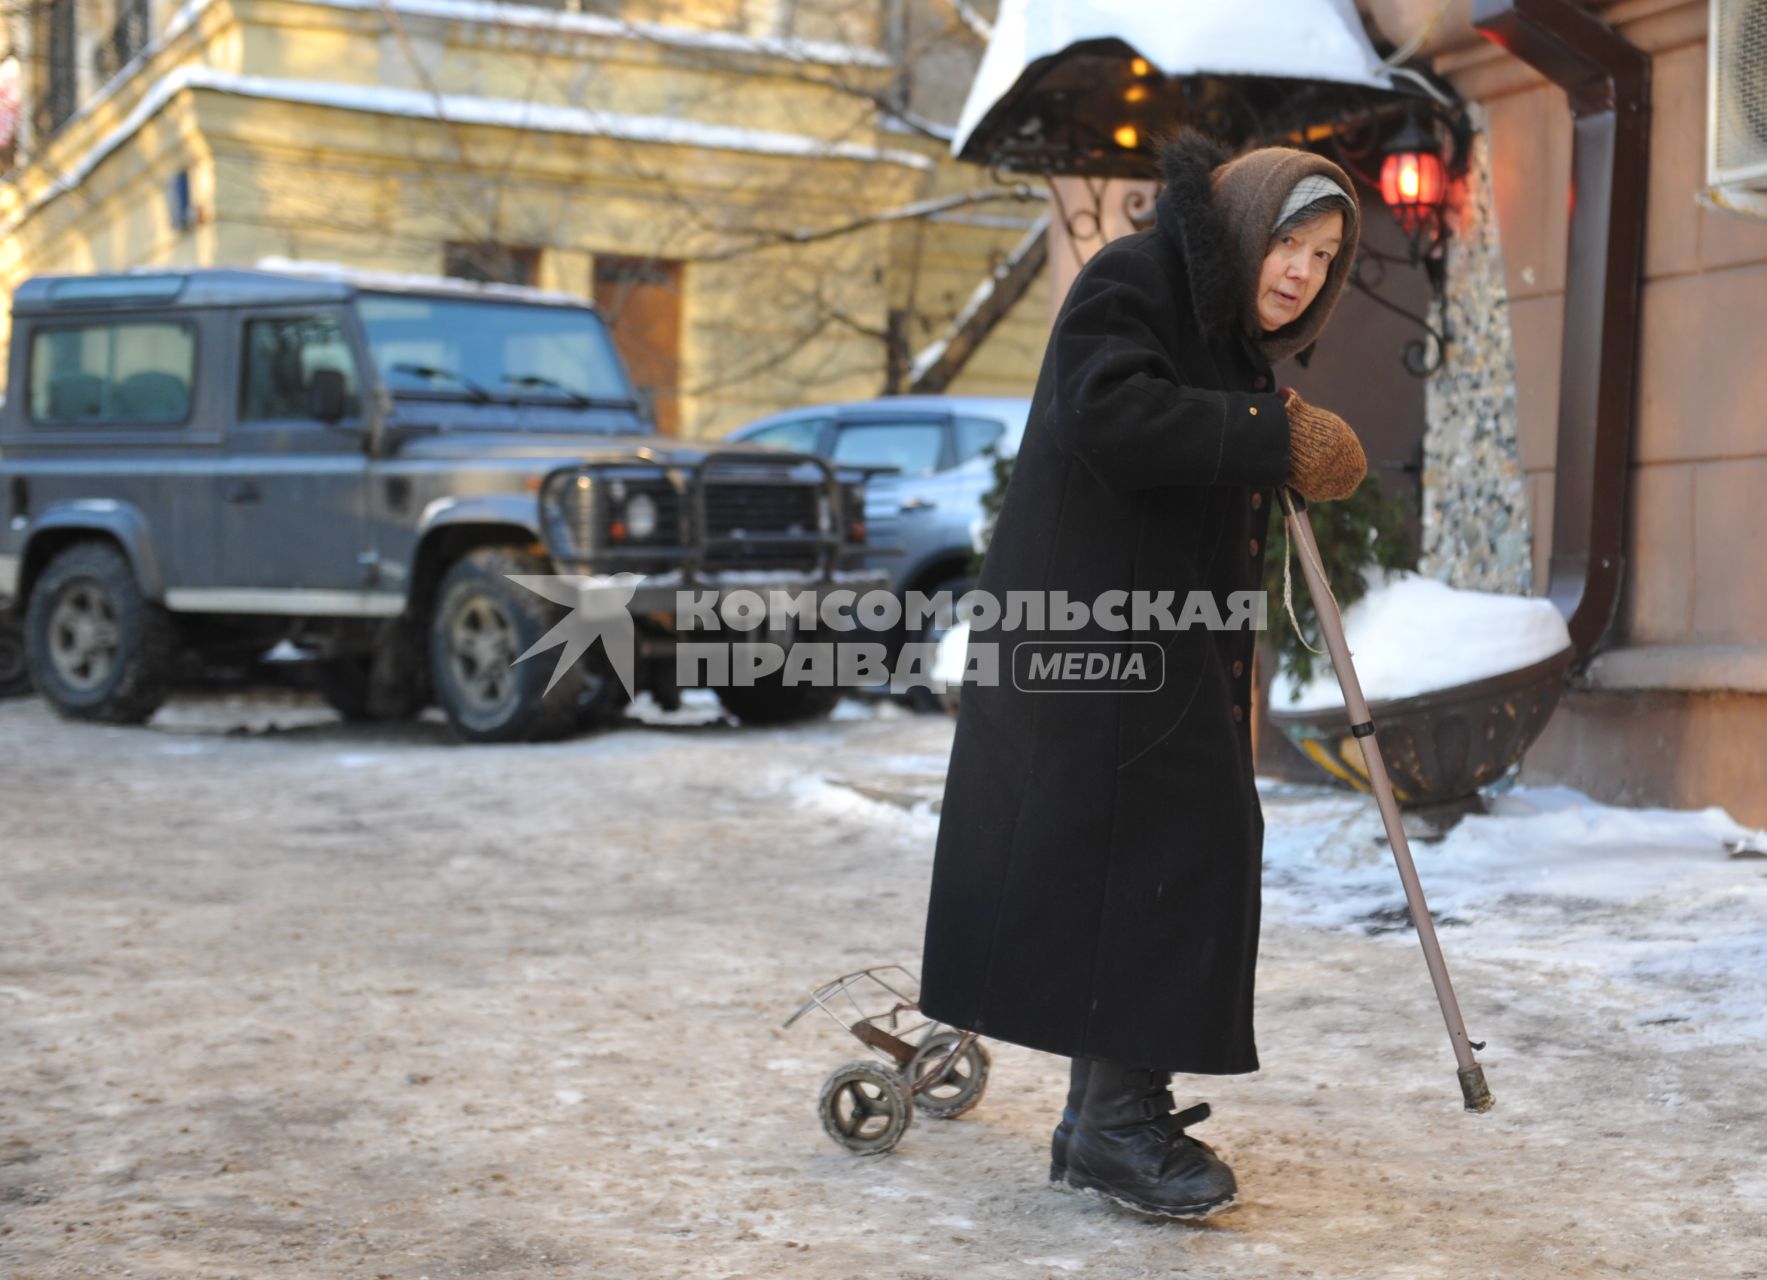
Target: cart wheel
959,1086
865,1107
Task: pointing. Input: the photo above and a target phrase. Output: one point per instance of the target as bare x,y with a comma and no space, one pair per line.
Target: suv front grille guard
728,512
760,511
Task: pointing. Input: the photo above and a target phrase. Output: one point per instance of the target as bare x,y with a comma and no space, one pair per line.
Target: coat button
1254,546
1253,410
1257,501
1238,667
1238,712
1260,382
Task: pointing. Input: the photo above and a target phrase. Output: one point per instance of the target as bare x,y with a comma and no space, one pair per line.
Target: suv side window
800,436
976,434
113,372
281,355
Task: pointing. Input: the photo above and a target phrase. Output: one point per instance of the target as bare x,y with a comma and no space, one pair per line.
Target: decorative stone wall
1475,512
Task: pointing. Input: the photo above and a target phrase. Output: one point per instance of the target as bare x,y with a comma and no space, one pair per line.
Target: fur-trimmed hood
1223,260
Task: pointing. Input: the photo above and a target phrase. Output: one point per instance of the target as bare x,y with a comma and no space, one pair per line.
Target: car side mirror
326,395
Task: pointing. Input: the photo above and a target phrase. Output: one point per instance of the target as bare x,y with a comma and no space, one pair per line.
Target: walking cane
1300,532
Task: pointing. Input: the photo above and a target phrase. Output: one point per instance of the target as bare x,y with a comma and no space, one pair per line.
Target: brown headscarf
1249,193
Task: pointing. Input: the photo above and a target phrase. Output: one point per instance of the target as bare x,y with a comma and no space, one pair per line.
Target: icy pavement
285,997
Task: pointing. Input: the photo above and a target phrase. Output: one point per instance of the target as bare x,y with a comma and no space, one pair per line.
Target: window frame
111,320
244,317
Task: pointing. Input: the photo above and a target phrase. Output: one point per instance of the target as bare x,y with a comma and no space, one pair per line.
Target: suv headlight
588,511
640,517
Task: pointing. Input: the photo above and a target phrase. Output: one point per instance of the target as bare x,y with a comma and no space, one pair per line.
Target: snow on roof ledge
369,278
1298,39
499,13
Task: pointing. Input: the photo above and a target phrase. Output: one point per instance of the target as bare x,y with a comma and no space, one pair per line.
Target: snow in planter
1411,634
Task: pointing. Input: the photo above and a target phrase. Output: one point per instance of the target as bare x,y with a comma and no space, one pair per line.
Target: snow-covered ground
1657,914
284,997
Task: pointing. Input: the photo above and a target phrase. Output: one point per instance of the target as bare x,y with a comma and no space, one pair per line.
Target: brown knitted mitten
1325,461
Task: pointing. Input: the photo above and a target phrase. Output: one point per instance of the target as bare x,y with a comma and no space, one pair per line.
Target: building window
126,39
491,263
61,68
124,374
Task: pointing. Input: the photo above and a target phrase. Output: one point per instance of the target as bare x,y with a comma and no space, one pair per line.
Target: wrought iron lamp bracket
1421,358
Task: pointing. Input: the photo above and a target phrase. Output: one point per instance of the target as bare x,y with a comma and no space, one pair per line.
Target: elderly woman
1096,886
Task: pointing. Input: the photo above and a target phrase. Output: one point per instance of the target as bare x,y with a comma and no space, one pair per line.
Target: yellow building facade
684,167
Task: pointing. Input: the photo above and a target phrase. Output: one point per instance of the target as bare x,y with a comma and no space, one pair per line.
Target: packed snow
1411,634
495,13
1658,912
951,655
1316,39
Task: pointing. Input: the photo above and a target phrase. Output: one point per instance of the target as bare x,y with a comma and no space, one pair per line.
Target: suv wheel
482,623
15,675
771,701
97,648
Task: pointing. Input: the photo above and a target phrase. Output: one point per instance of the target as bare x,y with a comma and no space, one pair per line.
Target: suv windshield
465,349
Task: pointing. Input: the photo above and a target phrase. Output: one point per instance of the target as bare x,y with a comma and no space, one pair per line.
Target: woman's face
1295,267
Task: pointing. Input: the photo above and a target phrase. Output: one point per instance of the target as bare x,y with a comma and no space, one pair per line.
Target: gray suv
210,462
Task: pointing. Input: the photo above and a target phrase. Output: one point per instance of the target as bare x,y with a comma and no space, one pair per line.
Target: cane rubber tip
1472,1088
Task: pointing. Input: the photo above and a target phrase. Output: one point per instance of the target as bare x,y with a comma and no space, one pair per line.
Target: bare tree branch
936,366
905,213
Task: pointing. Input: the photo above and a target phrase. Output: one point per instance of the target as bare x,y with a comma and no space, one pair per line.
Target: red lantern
1413,179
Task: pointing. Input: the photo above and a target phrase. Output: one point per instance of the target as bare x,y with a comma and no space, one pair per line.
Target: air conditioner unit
1736,107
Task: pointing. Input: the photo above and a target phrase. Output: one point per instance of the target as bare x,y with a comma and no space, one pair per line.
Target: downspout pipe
1607,81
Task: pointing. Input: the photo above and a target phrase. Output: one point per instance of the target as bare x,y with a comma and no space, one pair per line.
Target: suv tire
771,701
97,648
481,624
15,672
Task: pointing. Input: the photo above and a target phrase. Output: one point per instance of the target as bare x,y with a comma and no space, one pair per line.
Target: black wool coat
1095,888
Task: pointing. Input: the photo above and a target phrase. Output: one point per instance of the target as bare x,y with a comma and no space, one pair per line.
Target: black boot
1058,1145
1128,1147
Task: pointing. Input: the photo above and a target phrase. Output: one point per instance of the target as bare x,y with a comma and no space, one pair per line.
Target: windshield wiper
577,398
479,394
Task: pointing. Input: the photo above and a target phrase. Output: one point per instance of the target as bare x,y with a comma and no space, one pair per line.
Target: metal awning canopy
1059,77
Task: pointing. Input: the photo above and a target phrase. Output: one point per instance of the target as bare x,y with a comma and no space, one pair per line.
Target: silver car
922,519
